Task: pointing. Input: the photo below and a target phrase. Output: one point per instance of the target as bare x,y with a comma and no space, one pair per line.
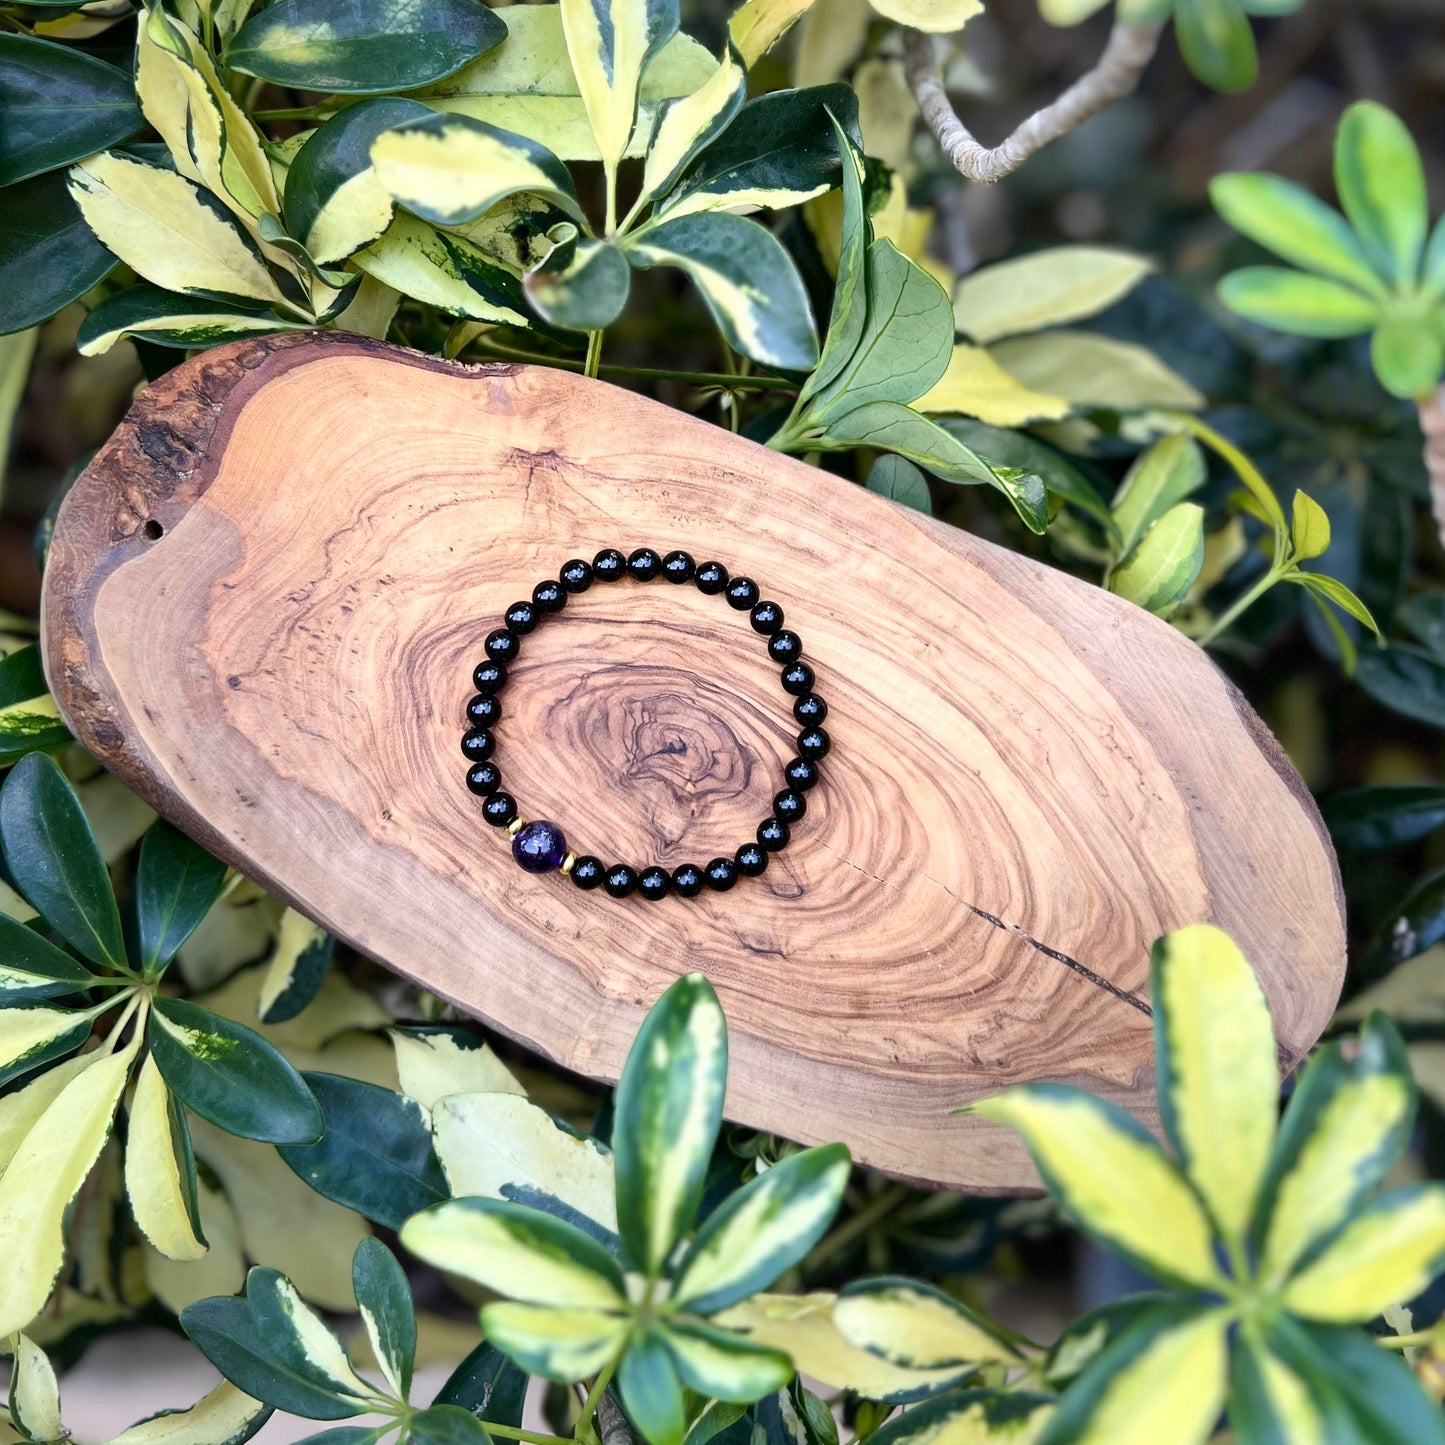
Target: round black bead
654,883
521,617
802,774
678,567
687,880
798,678
500,809
810,709
711,578
576,575
751,859
785,646
766,617
773,834
484,779
484,710
478,745
502,645
608,565
489,677
620,880
813,744
587,871
742,593
790,805
549,596
721,874
643,565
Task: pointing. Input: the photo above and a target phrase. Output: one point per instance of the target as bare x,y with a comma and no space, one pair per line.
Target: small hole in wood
152,531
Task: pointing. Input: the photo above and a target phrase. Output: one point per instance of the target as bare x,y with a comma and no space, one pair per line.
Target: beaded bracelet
540,847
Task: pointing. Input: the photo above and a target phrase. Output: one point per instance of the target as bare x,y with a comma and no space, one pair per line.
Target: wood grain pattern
263,603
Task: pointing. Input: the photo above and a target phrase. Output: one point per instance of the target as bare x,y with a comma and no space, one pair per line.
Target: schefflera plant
86,1023
1265,1238
641,1315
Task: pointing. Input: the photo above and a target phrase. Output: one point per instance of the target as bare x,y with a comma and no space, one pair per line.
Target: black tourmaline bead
576,575
790,805
813,744
478,745
549,596
711,578
785,646
500,809
484,779
484,710
742,592
802,774
489,677
643,565
687,880
766,617
521,617
609,565
502,645
798,678
620,880
654,883
751,860
587,871
678,567
810,709
773,834
721,873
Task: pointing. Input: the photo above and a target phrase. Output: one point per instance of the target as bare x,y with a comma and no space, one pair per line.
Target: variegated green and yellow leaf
721,1365
558,1344
1113,1179
45,1175
582,285
224,1417
668,1112
34,1392
31,724
22,1108
970,1417
1162,477
159,1172
1271,1403
610,43
1387,1254
158,224
384,1298
976,385
518,1252
432,1064
450,169
296,967
757,25
687,124
30,1036
299,1338
917,1326
763,1229
500,1146
1345,1126
167,319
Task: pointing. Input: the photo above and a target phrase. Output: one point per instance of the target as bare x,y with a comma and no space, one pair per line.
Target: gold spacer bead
516,826
567,862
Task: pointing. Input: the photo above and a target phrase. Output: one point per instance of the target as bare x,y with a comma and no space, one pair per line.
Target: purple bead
539,847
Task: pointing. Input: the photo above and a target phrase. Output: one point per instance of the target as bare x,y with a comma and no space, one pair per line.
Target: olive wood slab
263,603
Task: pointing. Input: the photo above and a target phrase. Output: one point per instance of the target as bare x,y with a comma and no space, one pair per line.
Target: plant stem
611,227
296,112
1242,604
860,1223
510,1432
594,353
646,373
589,1406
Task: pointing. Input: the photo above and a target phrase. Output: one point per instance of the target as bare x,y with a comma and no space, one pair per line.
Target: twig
1129,51
1432,423
612,1424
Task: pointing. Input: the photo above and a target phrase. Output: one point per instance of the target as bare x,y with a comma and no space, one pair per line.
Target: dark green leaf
48,255
582,285
489,1385
298,1338
58,105
348,1435
164,318
376,1156
900,481
444,1425
651,1390
363,47
28,721
226,1333
54,861
33,968
176,883
1413,925
1424,616
1217,43
384,1299
230,1075
1365,820
1406,680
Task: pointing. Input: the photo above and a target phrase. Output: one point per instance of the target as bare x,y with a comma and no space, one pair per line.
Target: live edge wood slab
263,604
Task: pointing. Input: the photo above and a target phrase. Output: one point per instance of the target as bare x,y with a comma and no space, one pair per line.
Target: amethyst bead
539,847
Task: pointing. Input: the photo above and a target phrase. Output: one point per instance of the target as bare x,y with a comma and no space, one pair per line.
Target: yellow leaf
915,1328
1095,371
370,311
976,385
887,111
1311,530
153,1170
45,1175
21,1109
939,17
1219,1079
430,1066
34,1393
830,39
1045,288
224,1415
758,25
221,1271
157,223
